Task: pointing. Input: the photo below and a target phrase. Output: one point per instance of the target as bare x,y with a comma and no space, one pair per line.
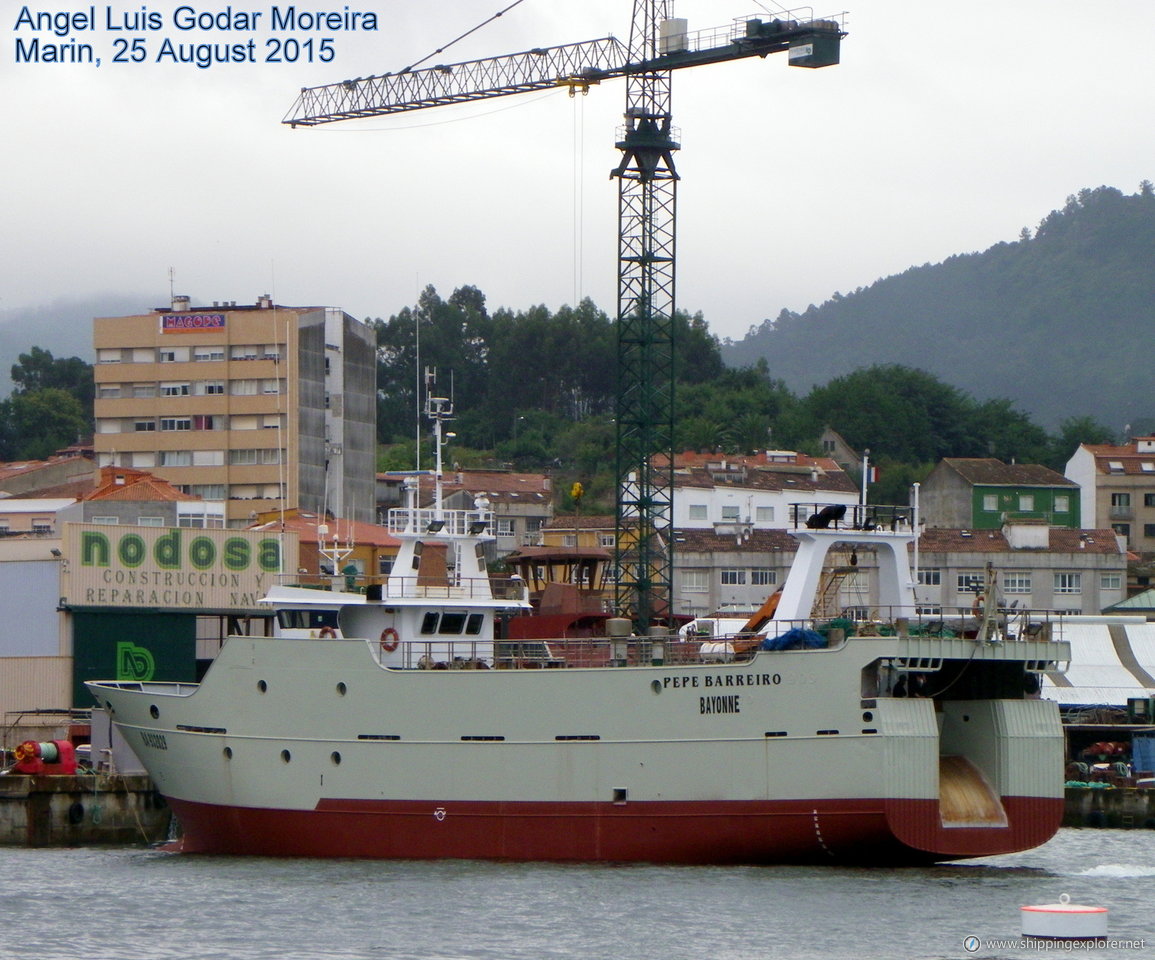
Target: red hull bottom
876,832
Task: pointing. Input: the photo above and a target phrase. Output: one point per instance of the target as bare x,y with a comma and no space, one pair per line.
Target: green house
985,493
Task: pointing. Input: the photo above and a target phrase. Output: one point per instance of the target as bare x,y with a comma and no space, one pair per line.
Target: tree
38,370
39,422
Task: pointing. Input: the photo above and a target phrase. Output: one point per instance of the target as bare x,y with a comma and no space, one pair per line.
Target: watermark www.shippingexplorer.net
975,944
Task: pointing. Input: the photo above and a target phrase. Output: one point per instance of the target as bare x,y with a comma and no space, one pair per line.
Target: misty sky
947,128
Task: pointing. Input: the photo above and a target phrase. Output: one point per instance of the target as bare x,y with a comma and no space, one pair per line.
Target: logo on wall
133,662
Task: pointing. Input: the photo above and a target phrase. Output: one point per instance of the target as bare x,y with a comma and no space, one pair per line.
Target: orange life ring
389,639
327,633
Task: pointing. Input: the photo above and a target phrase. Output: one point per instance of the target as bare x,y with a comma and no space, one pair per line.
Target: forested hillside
1058,322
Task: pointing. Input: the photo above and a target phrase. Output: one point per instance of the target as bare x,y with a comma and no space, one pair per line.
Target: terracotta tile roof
987,471
362,534
496,485
1060,540
1128,458
125,483
572,522
767,480
17,468
691,539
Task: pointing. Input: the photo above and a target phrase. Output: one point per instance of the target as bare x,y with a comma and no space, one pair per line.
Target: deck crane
647,182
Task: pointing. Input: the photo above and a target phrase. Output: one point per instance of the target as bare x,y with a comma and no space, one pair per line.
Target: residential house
127,496
258,407
985,493
1117,486
1037,567
756,492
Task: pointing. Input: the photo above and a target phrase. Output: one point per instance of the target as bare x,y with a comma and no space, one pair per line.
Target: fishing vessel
402,722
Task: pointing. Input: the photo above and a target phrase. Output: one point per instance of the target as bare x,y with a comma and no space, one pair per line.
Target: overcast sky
946,128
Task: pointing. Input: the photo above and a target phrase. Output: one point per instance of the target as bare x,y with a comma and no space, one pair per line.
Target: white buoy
1064,921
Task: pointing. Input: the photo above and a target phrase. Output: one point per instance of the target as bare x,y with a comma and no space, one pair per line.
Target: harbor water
141,904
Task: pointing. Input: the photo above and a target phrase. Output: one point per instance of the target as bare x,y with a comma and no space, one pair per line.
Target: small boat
400,723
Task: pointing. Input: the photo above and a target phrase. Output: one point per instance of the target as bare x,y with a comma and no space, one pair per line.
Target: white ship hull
326,753
431,738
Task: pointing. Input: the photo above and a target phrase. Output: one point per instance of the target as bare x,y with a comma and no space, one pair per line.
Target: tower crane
647,182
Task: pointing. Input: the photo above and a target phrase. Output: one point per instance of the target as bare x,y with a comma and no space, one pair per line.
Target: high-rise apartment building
256,406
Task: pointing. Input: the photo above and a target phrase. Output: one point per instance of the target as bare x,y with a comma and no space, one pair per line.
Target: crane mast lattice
647,195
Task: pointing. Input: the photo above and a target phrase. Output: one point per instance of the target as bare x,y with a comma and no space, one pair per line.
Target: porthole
336,758
228,752
154,712
342,689
286,756
656,686
262,686
867,717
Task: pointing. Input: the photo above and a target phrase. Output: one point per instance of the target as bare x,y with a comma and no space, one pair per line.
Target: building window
203,354
243,388
763,577
144,390
1120,499
1149,529
505,526
607,541
970,581
696,580
211,388
764,514
190,521
245,352
144,426
105,520
150,521
173,355
929,610
1111,581
176,458
930,577
1016,583
109,393
242,457
730,512
207,491
698,511
990,502
733,577
208,458
1062,503
175,423
1149,499
108,356
569,540
41,526
1026,502
174,389
1068,583
208,422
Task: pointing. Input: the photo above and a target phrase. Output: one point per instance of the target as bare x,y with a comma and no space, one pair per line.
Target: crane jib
591,61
